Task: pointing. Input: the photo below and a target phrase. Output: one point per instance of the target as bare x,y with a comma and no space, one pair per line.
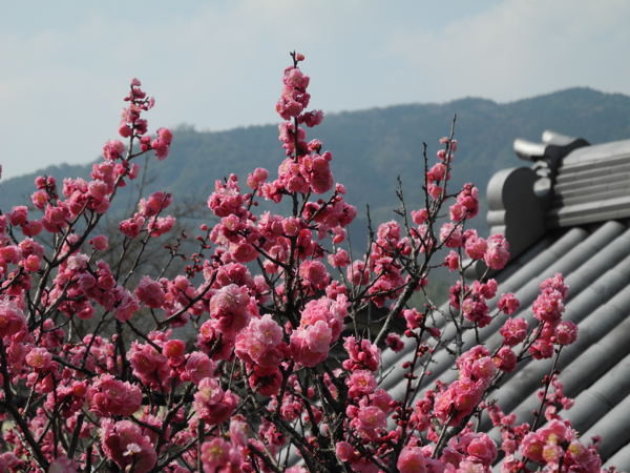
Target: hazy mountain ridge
371,147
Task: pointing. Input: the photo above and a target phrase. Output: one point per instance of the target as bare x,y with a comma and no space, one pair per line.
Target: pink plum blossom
497,253
111,397
411,460
124,443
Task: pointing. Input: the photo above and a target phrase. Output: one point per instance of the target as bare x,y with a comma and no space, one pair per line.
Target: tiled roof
568,213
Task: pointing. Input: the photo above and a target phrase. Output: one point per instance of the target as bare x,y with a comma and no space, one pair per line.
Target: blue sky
217,64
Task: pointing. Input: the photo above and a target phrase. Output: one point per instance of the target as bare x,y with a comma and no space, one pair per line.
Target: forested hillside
372,147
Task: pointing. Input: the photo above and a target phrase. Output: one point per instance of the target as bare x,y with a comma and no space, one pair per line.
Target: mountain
372,147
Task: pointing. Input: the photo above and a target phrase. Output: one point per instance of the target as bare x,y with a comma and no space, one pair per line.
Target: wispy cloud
521,48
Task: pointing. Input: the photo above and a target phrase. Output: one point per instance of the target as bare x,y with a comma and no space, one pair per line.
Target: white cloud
518,48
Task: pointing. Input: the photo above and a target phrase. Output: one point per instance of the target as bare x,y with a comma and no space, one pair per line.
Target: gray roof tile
585,235
587,239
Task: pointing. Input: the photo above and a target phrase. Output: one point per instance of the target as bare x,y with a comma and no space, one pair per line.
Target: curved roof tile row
590,246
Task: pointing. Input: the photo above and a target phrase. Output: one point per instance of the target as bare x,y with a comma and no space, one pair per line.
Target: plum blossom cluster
555,446
265,353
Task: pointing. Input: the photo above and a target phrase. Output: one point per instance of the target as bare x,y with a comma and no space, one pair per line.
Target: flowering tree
264,354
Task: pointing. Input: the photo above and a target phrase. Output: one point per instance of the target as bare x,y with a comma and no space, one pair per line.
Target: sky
217,64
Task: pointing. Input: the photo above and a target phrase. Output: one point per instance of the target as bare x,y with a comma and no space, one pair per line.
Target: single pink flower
508,303
110,397
150,292
411,460
124,443
314,273
215,453
360,383
497,253
212,403
198,366
566,332
310,345
514,331
99,242
18,215
11,319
